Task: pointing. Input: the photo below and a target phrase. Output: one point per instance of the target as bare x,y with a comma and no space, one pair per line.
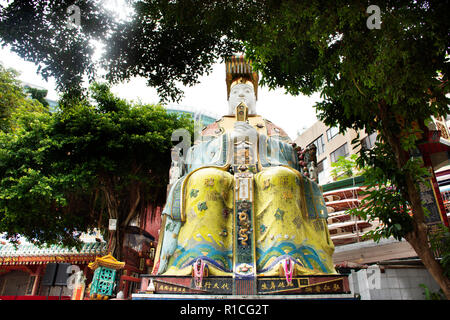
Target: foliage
13,101
320,46
37,30
173,43
344,167
385,191
429,295
440,243
167,44
63,173
38,94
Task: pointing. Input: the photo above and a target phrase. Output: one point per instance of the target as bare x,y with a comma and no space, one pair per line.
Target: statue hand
242,126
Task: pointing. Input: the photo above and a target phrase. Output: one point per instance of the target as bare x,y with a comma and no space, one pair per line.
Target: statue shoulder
274,130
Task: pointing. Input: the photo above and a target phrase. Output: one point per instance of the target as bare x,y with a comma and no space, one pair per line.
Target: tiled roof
29,253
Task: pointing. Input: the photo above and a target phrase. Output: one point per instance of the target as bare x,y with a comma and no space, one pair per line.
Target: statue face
242,93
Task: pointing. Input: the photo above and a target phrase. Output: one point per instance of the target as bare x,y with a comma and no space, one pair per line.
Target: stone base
147,296
313,285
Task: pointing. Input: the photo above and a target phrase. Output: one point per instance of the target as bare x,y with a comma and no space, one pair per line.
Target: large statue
244,205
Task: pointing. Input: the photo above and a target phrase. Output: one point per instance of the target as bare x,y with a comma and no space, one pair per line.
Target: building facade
389,269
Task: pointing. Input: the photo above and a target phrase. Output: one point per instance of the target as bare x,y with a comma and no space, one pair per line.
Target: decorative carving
177,166
307,160
244,269
244,227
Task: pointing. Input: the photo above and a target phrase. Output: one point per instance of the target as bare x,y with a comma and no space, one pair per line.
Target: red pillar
37,280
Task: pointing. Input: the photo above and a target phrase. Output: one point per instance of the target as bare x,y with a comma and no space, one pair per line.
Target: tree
169,45
390,80
152,45
38,94
13,101
61,174
38,31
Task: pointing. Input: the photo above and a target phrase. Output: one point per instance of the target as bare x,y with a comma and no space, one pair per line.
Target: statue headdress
240,70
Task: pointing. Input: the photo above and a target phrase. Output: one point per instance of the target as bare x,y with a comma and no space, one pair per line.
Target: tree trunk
117,243
417,238
419,241
115,237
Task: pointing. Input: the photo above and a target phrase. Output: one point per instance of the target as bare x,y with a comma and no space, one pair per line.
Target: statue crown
240,71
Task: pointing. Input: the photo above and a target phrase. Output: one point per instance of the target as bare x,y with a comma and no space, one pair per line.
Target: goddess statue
245,204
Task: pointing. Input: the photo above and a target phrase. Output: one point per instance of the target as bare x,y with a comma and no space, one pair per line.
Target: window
332,132
321,166
321,170
342,151
369,141
320,145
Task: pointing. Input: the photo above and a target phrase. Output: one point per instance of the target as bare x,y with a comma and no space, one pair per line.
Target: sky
293,114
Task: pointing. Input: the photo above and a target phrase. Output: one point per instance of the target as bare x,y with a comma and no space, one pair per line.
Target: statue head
242,84
242,92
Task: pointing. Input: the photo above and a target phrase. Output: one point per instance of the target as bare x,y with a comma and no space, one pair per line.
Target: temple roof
29,253
107,261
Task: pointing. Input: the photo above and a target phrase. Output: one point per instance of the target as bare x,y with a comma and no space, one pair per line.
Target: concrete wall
392,284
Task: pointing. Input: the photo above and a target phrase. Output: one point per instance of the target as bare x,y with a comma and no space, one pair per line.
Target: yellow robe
289,210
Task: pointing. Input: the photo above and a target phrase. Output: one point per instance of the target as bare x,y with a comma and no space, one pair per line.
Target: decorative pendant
279,214
193,193
202,206
209,182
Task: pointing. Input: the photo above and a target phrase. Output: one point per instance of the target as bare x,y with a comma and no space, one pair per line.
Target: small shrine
105,274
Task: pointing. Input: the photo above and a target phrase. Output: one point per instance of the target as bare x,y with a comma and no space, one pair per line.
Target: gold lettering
303,282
